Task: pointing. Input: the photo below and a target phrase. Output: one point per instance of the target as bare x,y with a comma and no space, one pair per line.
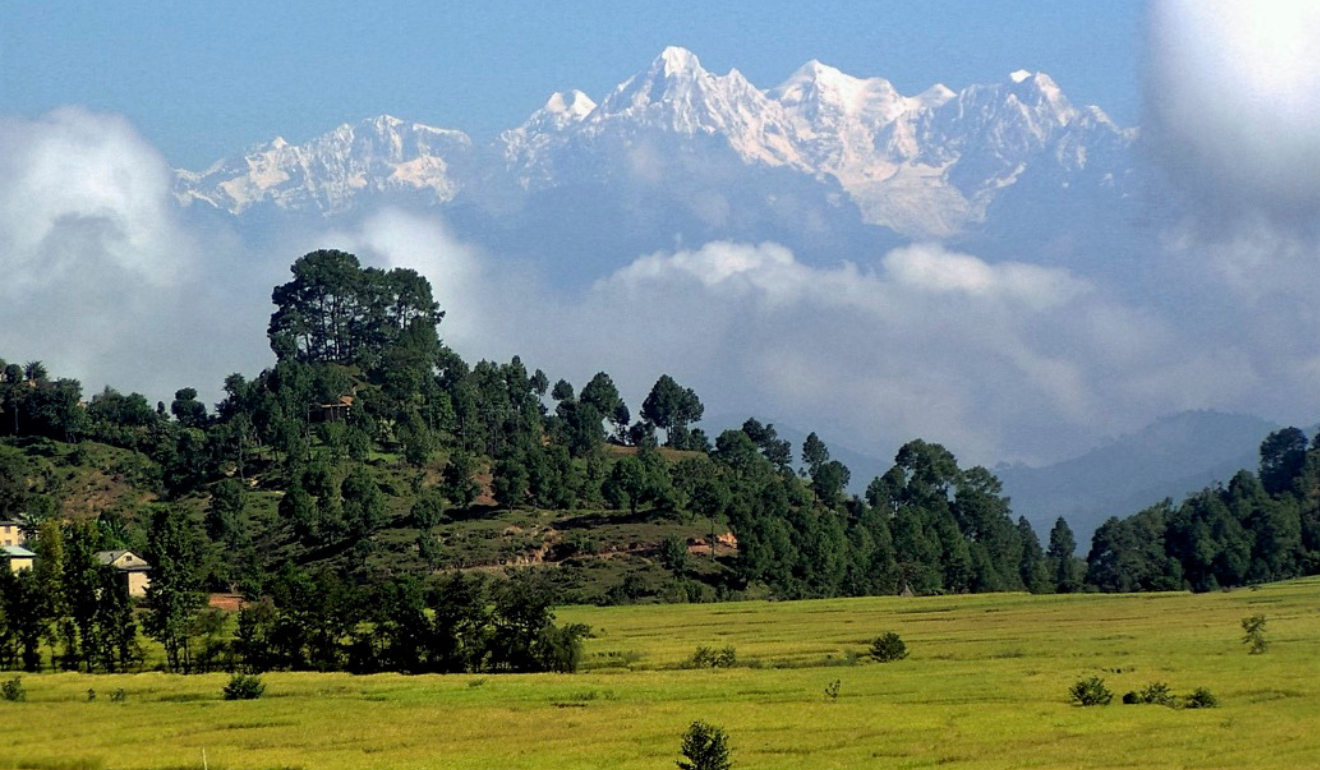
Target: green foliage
12,690
832,689
1090,691
363,504
457,483
1200,698
1155,693
1159,694
174,591
674,555
428,510
333,311
888,647
1253,628
709,657
244,687
705,747
672,407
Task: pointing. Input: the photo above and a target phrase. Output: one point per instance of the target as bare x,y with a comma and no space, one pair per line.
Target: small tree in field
1254,634
889,647
705,747
1090,691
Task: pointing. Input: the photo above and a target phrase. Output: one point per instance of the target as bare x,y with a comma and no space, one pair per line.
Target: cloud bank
1000,361
1234,100
1233,118
99,276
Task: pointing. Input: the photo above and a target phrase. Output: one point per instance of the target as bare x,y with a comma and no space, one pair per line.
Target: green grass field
985,687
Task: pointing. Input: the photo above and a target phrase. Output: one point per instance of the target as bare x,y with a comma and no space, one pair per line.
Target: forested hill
369,452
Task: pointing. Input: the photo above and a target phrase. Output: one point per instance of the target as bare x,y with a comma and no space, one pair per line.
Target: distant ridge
1171,457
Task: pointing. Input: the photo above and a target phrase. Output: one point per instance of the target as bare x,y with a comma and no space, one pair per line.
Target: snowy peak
574,105
676,95
675,60
935,96
925,166
380,154
675,79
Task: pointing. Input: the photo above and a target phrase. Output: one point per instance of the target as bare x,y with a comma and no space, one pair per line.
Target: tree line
1258,528
77,611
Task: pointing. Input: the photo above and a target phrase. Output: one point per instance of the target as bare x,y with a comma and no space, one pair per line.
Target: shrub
1090,691
1254,634
888,647
244,687
705,747
1201,698
707,657
12,690
118,695
1157,693
832,689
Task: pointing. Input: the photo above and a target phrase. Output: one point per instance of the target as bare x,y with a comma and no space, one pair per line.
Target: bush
1254,634
1090,691
244,687
832,689
1156,693
706,747
12,690
889,647
707,657
1201,698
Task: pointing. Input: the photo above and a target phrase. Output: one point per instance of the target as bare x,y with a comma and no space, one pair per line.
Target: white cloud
1233,117
99,276
89,179
1233,99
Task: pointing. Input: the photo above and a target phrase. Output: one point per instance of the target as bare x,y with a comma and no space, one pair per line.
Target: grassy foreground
985,687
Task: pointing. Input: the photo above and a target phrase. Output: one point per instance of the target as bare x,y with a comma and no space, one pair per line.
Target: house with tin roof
136,570
16,557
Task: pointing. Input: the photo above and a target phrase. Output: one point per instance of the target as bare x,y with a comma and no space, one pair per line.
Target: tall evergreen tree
174,592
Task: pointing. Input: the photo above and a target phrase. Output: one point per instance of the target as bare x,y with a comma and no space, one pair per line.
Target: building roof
16,552
110,557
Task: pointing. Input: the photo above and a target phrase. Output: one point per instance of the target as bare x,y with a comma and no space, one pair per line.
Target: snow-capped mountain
383,154
930,165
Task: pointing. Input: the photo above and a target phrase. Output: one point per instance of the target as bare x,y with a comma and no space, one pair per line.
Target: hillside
373,476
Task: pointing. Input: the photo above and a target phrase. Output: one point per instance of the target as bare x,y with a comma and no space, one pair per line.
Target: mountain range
831,165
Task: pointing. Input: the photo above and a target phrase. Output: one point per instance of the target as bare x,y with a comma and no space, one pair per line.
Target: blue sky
204,80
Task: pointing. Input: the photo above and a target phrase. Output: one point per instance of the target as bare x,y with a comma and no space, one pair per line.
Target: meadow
985,686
